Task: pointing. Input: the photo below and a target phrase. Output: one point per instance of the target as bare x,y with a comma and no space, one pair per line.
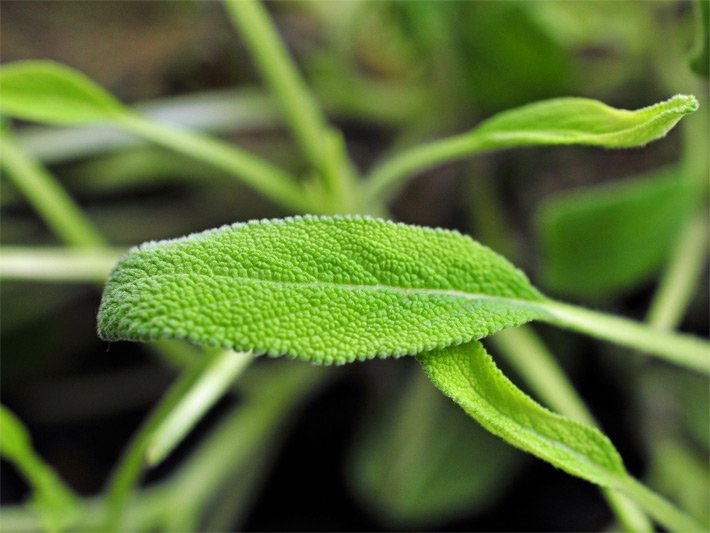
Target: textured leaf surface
582,121
318,288
602,239
468,376
48,92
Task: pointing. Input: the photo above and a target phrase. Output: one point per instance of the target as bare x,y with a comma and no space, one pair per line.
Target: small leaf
45,91
55,503
582,121
318,288
602,239
469,377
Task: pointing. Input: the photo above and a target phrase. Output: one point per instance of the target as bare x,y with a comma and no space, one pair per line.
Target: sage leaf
339,289
45,91
468,376
324,289
559,121
582,121
599,240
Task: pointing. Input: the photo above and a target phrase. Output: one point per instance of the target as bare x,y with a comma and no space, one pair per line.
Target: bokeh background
372,447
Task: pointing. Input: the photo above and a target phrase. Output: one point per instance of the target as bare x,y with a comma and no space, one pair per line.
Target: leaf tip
687,103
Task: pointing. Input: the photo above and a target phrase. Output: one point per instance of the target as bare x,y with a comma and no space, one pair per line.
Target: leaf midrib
455,293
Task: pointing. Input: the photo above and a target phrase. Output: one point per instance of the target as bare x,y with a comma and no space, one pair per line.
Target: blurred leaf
47,92
700,62
582,121
420,461
468,375
51,498
599,240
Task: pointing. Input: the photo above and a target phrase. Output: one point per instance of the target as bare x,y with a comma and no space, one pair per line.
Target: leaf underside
324,289
468,376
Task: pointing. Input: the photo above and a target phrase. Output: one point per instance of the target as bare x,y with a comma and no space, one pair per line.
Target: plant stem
318,141
219,375
49,199
659,508
281,75
57,264
680,279
382,182
685,350
526,353
133,460
269,180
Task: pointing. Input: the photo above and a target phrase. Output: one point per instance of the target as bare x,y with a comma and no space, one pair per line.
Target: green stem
659,508
382,183
57,264
219,375
680,279
685,350
279,71
269,180
49,199
242,440
526,353
134,458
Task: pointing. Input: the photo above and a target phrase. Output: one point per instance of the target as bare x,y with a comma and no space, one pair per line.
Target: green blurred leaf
45,91
53,500
419,461
582,121
603,239
700,61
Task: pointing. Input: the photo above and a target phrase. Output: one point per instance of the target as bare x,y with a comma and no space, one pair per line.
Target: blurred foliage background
373,446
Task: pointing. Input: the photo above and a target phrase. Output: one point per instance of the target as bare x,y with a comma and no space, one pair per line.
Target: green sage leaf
325,289
337,289
45,91
599,240
582,121
468,376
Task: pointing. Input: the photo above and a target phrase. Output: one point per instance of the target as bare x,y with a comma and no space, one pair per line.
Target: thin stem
303,115
221,372
680,279
524,350
382,183
49,199
268,179
659,508
131,465
685,350
57,264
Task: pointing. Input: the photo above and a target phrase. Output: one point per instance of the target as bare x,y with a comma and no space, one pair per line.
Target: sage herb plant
333,284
